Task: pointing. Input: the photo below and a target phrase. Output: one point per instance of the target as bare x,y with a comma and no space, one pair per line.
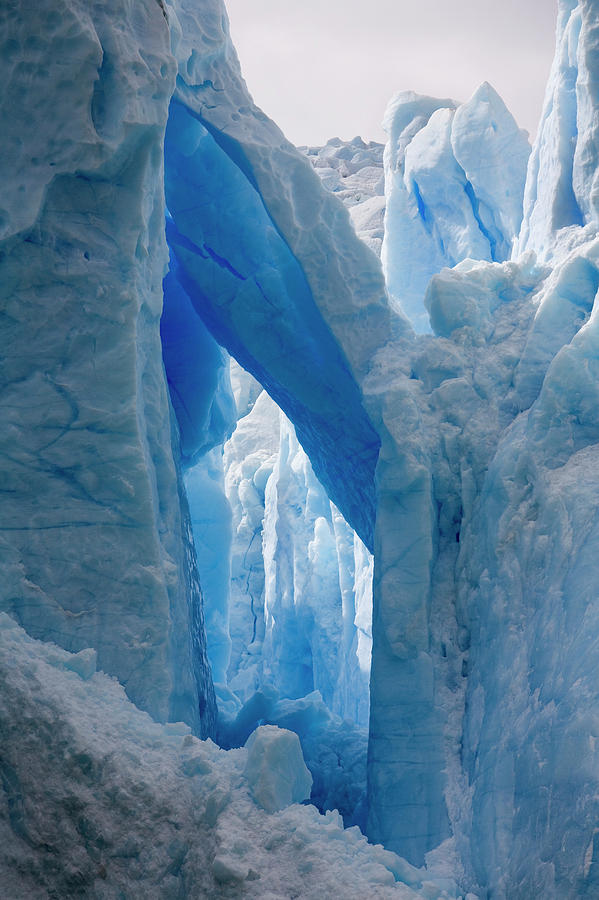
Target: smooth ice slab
275,768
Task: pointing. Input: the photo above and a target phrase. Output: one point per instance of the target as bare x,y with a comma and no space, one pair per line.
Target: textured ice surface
264,251
353,171
454,180
100,801
561,190
95,540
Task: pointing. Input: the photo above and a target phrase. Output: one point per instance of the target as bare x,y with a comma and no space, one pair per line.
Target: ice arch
95,540
257,240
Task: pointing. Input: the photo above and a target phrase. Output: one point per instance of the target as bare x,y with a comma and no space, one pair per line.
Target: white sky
326,68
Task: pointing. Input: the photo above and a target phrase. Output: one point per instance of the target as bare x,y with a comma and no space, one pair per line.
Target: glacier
454,185
381,473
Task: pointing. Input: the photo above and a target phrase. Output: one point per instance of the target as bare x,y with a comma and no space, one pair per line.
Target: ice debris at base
334,749
275,770
101,801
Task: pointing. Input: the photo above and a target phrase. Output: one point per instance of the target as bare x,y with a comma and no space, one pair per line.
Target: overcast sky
326,68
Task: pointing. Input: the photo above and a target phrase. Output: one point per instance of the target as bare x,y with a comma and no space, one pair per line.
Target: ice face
454,181
95,543
561,190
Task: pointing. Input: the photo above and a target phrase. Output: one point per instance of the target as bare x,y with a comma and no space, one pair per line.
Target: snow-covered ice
99,800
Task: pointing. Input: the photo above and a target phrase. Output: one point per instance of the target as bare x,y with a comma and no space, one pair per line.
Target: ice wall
95,539
300,596
483,688
525,576
560,185
526,585
430,473
454,181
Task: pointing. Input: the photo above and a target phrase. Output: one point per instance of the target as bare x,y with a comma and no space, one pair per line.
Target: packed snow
101,801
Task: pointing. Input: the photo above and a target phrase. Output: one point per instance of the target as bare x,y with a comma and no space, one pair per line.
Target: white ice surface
454,181
275,770
99,800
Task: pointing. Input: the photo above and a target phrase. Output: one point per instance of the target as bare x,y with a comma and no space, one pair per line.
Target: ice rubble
103,802
353,171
